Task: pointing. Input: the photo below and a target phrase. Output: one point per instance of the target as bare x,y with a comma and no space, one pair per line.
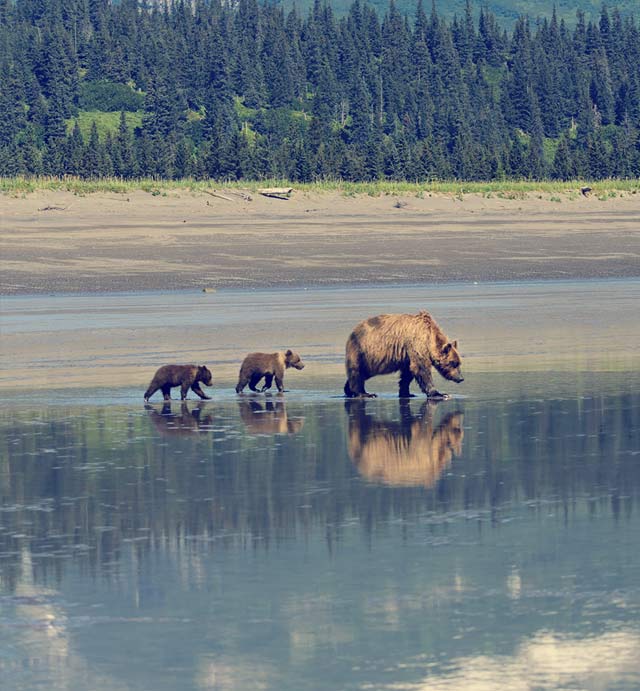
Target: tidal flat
306,541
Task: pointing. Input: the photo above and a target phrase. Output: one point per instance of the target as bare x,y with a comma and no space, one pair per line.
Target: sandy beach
100,290
53,242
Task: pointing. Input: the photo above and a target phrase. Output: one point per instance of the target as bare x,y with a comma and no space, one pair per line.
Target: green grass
606,189
105,122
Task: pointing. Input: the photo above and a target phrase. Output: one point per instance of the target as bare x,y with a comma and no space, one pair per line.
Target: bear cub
268,365
185,376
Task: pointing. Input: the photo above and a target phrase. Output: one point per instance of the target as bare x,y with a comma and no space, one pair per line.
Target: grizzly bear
408,452
410,343
268,365
184,376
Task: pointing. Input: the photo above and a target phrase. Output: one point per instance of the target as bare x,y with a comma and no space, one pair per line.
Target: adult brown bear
408,343
184,376
268,365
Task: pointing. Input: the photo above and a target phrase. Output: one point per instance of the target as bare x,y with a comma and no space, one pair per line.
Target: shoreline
328,287
58,242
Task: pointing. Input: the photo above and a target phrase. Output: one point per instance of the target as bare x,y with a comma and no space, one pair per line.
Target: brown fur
408,343
404,453
188,421
270,419
185,376
268,365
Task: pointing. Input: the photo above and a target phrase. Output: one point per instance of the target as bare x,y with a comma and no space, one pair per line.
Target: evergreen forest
246,90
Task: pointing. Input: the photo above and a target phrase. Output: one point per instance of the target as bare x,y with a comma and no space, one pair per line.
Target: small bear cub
268,365
184,376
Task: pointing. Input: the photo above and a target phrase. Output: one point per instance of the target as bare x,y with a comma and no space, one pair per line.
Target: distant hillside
505,11
243,90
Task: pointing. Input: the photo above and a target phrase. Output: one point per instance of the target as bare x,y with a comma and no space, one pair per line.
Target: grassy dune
505,189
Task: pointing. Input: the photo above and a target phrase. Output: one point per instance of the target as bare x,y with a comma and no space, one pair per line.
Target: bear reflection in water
408,452
268,417
190,419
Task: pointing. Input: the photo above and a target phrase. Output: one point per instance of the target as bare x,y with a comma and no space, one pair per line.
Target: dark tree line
209,88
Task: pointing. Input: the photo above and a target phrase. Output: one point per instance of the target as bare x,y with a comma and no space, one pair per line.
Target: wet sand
99,290
578,328
53,242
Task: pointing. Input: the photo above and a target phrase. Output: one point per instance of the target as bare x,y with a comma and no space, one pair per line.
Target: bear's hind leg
255,378
268,381
355,386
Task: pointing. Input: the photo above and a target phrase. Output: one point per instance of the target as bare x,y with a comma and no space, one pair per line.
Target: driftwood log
218,195
226,197
276,192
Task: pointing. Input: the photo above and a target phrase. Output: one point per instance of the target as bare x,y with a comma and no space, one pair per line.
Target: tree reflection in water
78,482
227,551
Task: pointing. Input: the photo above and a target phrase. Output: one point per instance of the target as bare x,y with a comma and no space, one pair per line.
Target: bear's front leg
197,390
403,384
435,395
423,376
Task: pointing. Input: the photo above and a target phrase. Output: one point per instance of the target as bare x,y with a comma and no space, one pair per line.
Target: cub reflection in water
268,417
190,419
407,452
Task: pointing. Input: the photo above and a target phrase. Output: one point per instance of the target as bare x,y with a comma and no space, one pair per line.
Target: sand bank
53,242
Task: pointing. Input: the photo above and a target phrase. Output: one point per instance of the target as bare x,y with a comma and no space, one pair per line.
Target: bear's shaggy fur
405,453
409,343
268,365
184,376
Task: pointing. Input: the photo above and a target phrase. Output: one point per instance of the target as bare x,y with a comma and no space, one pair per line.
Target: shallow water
305,541
117,341
487,542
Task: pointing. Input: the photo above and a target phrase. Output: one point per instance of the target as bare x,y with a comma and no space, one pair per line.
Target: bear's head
292,359
447,362
204,375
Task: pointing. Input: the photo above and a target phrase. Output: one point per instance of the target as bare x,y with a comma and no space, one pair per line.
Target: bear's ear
288,353
446,348
455,345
